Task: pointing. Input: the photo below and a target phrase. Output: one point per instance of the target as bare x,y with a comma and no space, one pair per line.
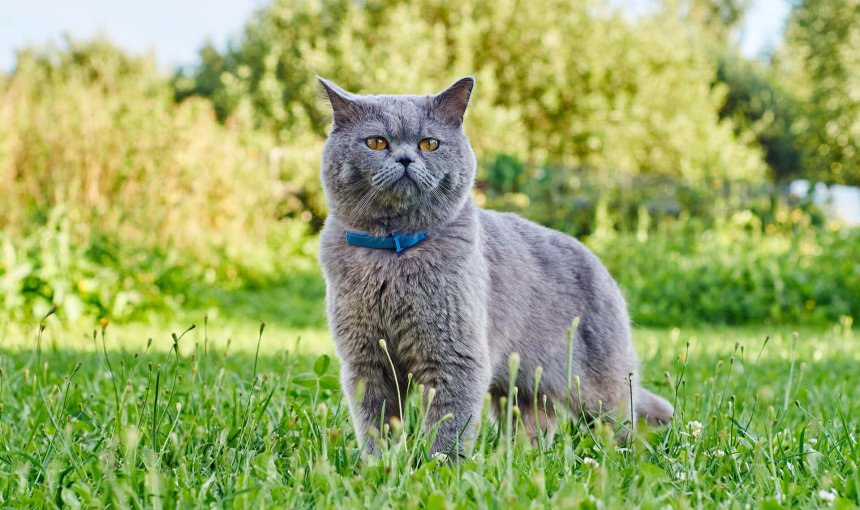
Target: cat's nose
404,160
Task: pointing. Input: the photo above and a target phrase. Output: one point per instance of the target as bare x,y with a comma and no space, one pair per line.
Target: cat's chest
381,280
385,278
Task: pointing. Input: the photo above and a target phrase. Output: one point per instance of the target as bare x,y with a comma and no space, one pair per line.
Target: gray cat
461,288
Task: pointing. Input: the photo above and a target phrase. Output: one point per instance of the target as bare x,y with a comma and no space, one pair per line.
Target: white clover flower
695,428
681,475
440,458
827,496
592,463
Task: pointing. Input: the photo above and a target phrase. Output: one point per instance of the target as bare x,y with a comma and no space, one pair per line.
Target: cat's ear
345,109
452,102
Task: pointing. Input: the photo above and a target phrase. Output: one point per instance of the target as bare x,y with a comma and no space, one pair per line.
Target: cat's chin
402,195
404,186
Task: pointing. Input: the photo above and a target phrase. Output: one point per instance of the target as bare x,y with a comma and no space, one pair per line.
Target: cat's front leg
455,410
456,366
371,395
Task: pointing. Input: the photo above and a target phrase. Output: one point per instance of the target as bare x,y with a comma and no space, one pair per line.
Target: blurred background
161,159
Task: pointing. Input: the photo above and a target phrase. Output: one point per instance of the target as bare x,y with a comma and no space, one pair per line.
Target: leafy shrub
96,132
105,278
581,201
687,253
736,273
117,200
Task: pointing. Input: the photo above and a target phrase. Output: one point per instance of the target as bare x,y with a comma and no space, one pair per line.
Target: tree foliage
562,82
760,105
820,63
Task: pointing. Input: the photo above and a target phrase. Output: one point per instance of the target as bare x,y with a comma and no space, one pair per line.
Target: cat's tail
653,409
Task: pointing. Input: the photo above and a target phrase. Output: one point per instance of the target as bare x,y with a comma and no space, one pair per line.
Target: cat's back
541,279
511,240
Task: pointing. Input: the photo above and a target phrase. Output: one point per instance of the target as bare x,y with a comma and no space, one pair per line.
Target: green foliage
117,200
720,17
820,64
123,202
573,200
47,268
207,424
736,274
759,104
96,132
122,282
582,87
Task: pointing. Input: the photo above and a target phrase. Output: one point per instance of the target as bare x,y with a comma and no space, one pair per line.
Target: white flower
588,461
695,428
719,454
827,496
681,475
440,458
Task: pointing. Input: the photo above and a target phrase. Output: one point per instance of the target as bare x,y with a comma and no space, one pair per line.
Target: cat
453,289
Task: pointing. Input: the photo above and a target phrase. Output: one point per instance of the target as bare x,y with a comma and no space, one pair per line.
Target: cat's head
397,163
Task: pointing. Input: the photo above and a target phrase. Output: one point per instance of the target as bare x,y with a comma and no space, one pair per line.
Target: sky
176,29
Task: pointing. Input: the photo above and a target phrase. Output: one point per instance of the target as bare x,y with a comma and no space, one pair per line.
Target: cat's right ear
453,101
343,107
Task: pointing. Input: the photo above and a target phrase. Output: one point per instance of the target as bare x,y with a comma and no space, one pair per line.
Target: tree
581,86
759,105
820,64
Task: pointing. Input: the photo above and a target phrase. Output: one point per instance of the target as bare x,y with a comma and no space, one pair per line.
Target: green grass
117,421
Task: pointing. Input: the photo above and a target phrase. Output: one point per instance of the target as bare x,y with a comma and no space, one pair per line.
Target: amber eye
428,144
377,143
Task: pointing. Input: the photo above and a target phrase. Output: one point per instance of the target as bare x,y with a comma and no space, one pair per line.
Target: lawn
764,417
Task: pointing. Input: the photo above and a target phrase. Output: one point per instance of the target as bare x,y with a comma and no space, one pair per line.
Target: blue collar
396,242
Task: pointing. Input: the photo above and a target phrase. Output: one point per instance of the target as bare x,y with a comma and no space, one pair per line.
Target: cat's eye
428,144
377,143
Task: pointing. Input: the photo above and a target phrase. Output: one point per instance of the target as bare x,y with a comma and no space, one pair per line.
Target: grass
113,420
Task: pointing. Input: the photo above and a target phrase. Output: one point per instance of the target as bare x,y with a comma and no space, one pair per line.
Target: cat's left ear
452,102
344,108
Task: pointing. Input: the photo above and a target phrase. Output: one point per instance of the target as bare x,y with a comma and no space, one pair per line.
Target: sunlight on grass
224,426
241,335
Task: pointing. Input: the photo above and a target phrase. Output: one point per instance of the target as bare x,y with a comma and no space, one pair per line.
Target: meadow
246,415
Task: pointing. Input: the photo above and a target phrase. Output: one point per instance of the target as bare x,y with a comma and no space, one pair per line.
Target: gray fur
482,285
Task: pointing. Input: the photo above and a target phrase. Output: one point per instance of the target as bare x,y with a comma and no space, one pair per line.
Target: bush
736,273
115,198
580,201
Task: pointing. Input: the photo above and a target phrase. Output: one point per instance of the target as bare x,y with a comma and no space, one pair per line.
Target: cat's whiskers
366,201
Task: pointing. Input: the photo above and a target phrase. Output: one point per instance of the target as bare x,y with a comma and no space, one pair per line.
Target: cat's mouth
401,192
405,182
